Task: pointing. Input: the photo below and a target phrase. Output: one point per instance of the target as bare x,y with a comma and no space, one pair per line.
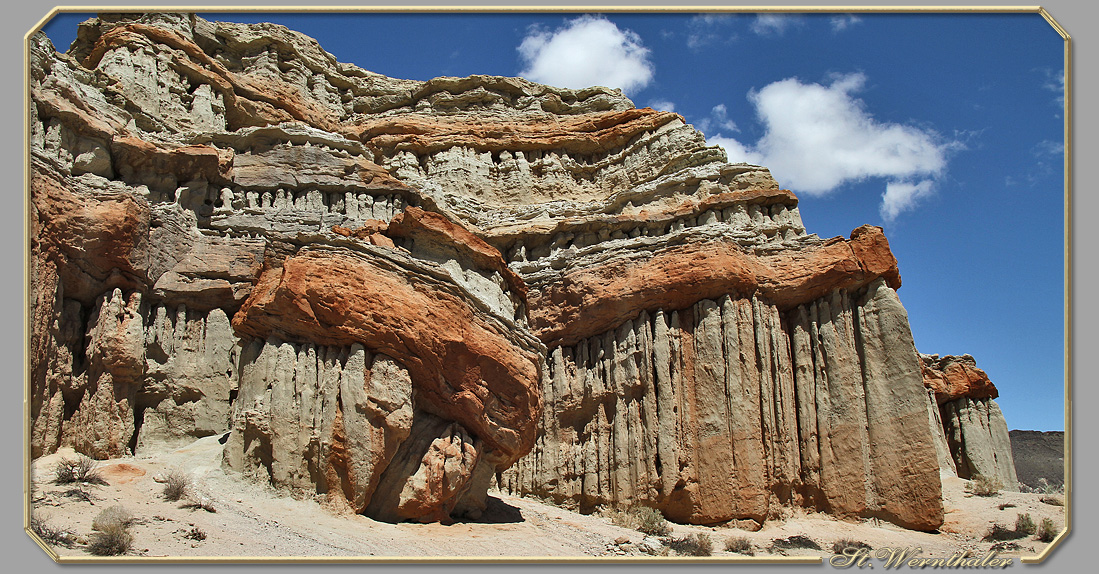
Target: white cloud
818,137
901,196
586,51
707,29
1048,147
662,105
717,121
1055,82
774,24
843,21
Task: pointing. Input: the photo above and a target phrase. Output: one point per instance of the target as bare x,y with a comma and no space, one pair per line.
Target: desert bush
1024,524
78,493
1046,488
80,469
1001,532
692,545
1047,531
48,533
111,540
795,541
640,518
982,485
116,514
195,534
1052,500
841,545
176,485
651,521
196,502
739,544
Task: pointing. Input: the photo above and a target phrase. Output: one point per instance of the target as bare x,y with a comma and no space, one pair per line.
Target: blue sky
945,129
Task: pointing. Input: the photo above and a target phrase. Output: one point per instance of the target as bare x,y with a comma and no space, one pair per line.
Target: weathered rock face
399,293
974,433
1039,456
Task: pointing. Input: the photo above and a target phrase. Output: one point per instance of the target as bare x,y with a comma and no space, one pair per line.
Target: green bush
641,518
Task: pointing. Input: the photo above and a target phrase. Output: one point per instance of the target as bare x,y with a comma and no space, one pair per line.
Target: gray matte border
1073,17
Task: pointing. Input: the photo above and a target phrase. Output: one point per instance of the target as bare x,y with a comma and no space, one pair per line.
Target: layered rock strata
398,293
974,432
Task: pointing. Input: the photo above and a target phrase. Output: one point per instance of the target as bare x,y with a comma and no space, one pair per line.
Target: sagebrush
1024,524
110,541
1047,531
692,545
982,485
176,485
739,544
80,469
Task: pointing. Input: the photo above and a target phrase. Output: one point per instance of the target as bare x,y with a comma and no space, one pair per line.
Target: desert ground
243,519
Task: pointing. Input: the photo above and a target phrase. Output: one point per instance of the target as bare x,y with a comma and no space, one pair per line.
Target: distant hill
1038,455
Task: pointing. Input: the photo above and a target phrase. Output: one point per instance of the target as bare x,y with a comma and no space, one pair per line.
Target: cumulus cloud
818,137
901,196
706,29
843,21
1055,82
717,120
586,51
774,24
662,105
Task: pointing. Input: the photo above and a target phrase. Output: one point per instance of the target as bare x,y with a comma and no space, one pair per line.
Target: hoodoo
398,294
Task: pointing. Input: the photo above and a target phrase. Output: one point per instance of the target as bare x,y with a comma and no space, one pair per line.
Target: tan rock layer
724,410
591,300
466,366
248,100
596,132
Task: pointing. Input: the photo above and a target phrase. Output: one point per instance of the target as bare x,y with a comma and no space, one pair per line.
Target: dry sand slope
254,520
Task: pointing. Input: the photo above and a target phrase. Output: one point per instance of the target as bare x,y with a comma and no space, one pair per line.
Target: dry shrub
80,469
841,545
640,518
116,514
982,485
1047,531
176,485
1001,532
692,545
740,545
1052,500
111,540
795,541
48,533
1024,524
195,534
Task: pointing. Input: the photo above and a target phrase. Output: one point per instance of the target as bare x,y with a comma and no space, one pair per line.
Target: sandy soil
251,520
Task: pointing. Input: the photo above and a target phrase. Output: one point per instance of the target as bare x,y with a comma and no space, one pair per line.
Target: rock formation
1039,456
973,435
398,293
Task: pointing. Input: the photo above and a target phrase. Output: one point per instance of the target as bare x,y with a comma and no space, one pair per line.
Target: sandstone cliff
974,434
397,293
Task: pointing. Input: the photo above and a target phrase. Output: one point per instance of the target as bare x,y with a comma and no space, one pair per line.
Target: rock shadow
499,512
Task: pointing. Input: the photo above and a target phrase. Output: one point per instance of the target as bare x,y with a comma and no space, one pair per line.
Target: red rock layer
953,377
469,369
592,300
